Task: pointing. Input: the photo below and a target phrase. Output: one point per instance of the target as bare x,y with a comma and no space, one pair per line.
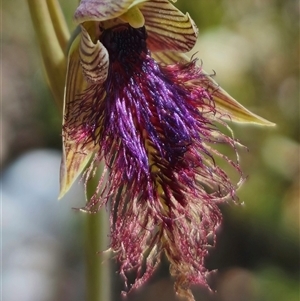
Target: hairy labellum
152,124
138,107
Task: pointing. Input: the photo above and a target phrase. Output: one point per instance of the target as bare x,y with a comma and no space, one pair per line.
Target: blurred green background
254,48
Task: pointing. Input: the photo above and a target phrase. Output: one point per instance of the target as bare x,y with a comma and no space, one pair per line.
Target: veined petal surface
230,109
75,155
94,58
167,27
227,107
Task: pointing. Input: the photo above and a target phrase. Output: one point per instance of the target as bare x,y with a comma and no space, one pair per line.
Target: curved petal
227,107
134,17
75,156
167,27
94,59
230,109
102,10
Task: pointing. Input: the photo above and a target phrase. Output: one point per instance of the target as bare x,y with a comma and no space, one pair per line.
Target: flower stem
97,268
51,38
98,276
59,23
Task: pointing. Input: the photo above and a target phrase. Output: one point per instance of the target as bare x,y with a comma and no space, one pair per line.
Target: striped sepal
94,59
228,108
167,27
75,156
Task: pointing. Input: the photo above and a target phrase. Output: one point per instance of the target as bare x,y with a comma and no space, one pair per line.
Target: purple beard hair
151,124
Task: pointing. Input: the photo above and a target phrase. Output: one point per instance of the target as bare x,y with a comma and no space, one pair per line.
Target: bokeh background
253,45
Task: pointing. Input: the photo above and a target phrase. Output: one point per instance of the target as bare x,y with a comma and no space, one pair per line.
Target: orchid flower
136,102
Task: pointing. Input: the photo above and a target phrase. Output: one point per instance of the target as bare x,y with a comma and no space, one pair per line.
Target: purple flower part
153,126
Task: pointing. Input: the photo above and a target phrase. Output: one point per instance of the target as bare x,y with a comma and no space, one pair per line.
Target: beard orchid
135,102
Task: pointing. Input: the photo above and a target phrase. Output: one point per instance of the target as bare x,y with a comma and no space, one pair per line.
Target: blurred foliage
254,48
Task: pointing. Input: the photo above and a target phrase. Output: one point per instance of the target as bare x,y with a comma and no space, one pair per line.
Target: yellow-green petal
75,155
167,27
227,107
94,58
134,17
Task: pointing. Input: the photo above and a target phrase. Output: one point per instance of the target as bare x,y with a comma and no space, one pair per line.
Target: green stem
53,37
59,23
96,240
97,267
47,34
